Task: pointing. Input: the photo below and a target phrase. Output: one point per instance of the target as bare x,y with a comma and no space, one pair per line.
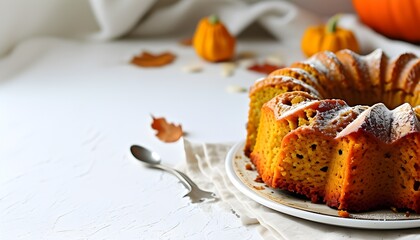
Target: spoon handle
188,179
185,180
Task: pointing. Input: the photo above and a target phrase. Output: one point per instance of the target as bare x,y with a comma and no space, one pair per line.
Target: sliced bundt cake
303,138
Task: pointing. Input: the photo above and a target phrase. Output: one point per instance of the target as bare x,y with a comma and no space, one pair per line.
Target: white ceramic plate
293,205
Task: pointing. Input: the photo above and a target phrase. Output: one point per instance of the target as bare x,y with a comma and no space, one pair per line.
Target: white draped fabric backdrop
111,19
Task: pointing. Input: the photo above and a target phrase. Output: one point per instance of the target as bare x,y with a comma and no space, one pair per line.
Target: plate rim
307,215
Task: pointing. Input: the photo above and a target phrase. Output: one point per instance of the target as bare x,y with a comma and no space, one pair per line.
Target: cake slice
264,90
381,169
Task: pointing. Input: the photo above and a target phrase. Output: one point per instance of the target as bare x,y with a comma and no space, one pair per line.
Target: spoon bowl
152,159
145,155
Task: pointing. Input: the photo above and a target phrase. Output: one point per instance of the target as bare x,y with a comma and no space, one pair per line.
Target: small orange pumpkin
328,37
394,19
212,41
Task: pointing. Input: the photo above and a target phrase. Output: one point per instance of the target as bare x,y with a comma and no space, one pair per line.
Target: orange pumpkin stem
213,19
332,23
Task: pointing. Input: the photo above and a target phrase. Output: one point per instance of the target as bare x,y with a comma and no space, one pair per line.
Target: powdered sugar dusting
298,82
384,124
332,122
283,108
260,79
332,115
404,122
315,63
303,72
374,62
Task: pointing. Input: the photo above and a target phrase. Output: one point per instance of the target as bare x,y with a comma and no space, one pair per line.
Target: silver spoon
153,160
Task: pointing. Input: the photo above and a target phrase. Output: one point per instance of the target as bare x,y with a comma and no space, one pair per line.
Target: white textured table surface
69,112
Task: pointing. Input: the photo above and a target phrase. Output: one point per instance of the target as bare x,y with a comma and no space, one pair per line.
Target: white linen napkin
205,164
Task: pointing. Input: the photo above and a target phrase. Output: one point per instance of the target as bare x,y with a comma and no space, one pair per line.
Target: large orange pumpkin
397,19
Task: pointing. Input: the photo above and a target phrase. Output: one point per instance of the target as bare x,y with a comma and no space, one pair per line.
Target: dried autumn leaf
147,59
264,68
186,42
166,132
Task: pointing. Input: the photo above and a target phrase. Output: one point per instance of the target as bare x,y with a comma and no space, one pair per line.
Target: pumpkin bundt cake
303,138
